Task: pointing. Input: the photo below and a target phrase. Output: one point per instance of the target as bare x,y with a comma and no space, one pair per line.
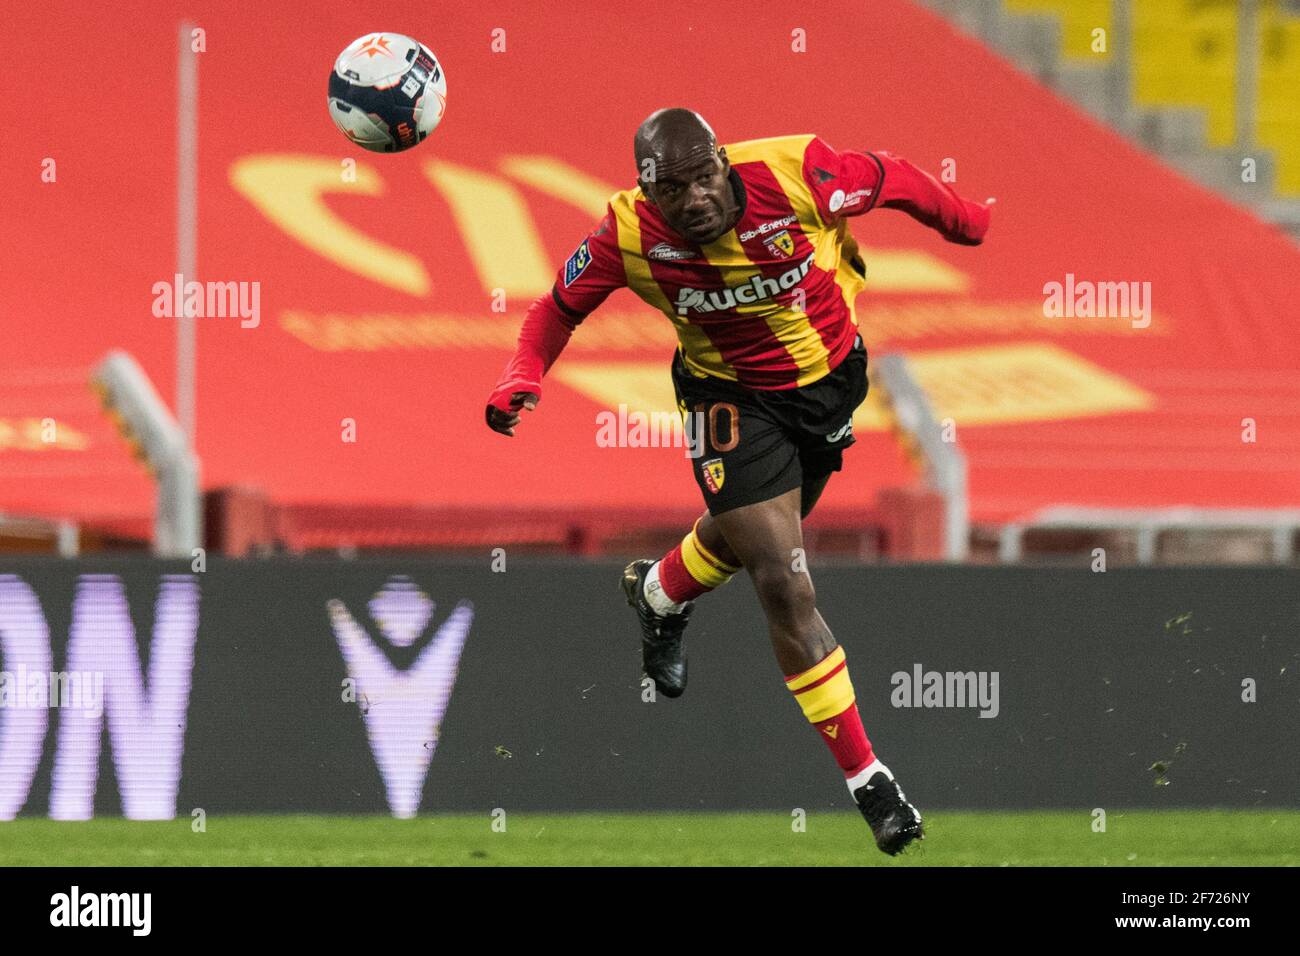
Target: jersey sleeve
584,281
843,184
594,270
850,182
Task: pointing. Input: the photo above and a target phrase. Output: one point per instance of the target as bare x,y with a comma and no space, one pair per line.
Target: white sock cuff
654,593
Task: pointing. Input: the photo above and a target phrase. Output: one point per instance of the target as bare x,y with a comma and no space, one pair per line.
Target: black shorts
757,444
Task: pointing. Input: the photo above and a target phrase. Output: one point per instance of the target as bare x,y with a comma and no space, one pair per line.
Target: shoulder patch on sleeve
577,263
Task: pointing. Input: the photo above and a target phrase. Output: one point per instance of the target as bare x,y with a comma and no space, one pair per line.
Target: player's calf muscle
766,536
787,595
800,638
711,537
797,651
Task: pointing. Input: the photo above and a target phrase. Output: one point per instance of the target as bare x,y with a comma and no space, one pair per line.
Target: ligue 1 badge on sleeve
577,263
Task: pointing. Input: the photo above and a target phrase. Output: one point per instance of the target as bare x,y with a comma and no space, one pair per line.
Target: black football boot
894,822
663,648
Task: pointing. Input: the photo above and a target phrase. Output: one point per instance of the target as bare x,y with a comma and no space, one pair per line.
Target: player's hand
504,420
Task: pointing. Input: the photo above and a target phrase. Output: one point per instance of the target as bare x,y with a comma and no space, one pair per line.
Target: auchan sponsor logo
756,289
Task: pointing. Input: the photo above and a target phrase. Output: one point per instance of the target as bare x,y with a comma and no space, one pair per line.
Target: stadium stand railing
134,406
242,521
923,437
1252,535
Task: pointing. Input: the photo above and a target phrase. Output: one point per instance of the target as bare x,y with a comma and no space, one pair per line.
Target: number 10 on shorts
705,423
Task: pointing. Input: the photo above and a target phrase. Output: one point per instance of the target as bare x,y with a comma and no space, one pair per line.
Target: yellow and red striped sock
689,570
825,693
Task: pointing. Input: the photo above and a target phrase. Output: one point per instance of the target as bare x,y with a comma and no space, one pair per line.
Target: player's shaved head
671,140
684,172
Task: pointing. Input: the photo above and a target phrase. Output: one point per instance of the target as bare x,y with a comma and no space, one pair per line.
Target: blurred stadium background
1126,141
1124,165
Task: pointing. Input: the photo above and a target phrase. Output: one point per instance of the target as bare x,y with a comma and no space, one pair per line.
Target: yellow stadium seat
1277,117
1079,18
1185,54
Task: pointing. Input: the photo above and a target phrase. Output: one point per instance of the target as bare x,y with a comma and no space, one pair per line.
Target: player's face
696,201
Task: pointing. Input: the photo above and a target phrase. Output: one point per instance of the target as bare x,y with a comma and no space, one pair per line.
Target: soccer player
745,249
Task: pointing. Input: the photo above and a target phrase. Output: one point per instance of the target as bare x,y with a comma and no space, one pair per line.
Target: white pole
187,221
180,502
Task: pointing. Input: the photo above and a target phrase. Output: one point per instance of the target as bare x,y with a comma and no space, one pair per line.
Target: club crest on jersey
758,288
714,474
781,245
577,263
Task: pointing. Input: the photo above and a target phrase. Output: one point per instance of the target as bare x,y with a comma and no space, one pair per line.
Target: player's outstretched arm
852,182
929,201
584,281
542,338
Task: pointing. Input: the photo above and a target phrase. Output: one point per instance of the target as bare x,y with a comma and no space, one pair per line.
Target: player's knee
787,595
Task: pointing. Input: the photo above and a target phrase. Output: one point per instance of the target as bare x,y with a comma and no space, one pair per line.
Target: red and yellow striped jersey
770,303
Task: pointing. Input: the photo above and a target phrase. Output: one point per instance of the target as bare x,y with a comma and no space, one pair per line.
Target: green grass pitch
1159,838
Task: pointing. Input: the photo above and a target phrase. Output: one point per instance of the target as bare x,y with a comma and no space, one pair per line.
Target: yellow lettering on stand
288,190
